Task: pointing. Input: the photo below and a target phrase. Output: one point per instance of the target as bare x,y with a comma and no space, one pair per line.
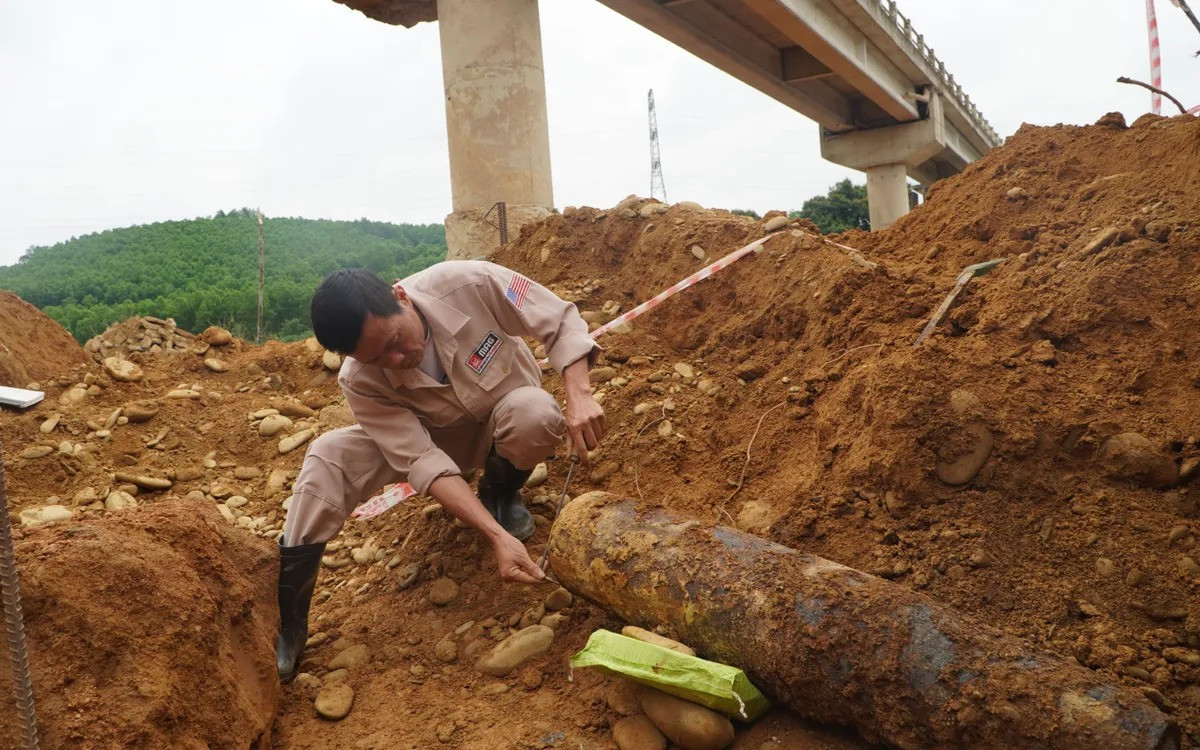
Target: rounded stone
959,463
646,636
408,576
216,336
776,223
292,442
273,424
516,650
247,472
309,684
638,733
1132,456
445,650
335,701
602,374
686,724
622,697
538,476
45,514
118,500
443,591
355,656
558,599
122,370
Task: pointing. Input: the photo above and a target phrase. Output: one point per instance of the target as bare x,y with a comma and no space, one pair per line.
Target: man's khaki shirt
477,312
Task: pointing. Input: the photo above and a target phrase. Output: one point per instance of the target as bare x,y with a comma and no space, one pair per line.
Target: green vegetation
843,207
204,271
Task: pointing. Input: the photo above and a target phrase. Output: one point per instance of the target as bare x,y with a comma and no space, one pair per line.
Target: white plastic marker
1155,58
384,501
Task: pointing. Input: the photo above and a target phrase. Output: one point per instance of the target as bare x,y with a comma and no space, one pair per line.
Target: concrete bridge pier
889,155
499,138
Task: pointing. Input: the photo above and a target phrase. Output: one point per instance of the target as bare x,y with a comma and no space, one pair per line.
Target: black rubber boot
297,578
500,491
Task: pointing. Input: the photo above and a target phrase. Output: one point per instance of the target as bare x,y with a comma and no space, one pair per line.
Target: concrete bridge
884,102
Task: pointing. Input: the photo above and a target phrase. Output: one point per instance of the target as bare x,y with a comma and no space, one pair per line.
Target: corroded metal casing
837,645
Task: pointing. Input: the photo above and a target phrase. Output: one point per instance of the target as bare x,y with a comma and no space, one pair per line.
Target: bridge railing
903,26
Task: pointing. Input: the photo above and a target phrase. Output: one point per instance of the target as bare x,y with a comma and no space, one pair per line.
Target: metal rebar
501,223
14,625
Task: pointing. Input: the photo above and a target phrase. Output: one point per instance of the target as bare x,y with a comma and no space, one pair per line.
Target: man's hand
456,497
514,562
585,417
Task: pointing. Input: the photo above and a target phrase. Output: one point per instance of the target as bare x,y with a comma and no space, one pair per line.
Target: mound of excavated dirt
1033,463
32,344
150,628
992,466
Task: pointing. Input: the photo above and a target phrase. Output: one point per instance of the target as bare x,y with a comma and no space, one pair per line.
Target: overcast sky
135,111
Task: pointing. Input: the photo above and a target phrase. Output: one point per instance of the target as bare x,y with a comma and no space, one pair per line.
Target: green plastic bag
717,686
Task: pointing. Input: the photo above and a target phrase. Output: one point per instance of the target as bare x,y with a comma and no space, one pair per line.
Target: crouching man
440,383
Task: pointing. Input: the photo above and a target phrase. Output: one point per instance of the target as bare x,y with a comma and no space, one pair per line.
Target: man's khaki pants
343,466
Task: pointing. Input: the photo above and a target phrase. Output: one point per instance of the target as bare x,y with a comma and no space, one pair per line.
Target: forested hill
204,271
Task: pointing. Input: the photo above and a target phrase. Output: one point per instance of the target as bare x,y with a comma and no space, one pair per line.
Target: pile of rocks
146,334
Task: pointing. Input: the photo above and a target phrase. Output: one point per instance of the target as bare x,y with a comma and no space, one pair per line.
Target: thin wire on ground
742,479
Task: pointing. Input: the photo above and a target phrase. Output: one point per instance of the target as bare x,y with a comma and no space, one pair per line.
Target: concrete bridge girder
712,36
829,37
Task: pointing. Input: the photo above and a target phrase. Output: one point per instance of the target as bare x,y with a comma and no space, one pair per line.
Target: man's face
395,342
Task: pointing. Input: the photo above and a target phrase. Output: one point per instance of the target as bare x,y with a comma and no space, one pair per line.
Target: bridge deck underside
833,61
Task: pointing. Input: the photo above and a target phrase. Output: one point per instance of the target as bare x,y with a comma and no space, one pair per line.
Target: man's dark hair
341,303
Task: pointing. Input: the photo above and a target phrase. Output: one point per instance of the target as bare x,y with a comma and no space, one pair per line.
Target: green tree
843,207
745,212
204,271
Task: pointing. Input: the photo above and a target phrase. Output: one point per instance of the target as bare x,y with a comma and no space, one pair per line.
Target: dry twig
1155,89
653,422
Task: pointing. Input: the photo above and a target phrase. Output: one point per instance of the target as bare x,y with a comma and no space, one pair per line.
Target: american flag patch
517,289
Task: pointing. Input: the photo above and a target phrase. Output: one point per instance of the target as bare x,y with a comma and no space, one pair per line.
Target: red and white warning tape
692,280
384,501
701,275
1155,58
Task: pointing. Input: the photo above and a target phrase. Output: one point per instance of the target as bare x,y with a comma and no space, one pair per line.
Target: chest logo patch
483,354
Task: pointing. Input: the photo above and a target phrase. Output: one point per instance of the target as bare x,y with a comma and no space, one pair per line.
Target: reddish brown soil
32,344
150,628
835,436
